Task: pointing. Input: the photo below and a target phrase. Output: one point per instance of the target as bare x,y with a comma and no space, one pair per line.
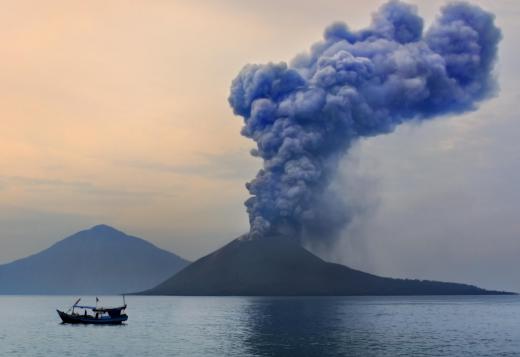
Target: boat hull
80,319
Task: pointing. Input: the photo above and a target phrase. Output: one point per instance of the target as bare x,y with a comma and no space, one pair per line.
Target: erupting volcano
305,116
277,266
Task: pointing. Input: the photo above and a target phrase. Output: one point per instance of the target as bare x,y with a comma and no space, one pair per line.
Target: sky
116,112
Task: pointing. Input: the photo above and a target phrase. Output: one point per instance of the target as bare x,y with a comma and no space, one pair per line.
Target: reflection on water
390,326
299,327
250,326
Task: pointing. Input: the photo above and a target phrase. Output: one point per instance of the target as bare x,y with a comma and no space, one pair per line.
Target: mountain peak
281,267
97,260
100,232
104,228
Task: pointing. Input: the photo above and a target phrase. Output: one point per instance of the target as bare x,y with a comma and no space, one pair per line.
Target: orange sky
116,112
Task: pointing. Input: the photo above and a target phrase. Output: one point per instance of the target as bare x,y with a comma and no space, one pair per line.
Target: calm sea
252,326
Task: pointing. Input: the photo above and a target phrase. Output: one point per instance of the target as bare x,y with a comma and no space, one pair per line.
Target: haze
117,113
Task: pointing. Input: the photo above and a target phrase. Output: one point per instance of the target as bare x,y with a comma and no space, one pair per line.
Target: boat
94,315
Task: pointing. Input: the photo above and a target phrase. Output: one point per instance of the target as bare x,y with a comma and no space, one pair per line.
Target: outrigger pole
73,306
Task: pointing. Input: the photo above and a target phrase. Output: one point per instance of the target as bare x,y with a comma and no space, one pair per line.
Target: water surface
260,326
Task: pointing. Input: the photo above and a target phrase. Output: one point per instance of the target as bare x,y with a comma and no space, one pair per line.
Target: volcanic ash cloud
304,116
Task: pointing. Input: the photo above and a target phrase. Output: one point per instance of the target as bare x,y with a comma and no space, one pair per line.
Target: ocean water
263,326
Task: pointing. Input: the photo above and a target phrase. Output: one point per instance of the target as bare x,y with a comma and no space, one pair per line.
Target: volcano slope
98,261
282,267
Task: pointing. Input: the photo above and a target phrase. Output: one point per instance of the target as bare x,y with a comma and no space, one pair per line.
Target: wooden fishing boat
94,315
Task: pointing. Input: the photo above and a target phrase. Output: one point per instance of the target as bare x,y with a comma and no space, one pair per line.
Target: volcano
99,260
282,267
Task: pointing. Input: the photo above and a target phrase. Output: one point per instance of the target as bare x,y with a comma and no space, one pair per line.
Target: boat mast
73,306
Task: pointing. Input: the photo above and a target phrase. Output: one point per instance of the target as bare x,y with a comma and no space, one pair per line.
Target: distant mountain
100,260
279,266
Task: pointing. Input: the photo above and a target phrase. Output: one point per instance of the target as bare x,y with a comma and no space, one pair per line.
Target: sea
268,326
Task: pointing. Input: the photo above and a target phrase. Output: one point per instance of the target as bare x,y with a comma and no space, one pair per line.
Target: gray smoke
305,116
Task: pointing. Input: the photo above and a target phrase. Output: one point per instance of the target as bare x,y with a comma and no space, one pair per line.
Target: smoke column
305,116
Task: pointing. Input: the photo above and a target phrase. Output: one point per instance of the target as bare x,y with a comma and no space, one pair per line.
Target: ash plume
304,116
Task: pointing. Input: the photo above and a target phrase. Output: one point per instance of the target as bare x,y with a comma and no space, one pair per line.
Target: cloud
84,187
229,166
